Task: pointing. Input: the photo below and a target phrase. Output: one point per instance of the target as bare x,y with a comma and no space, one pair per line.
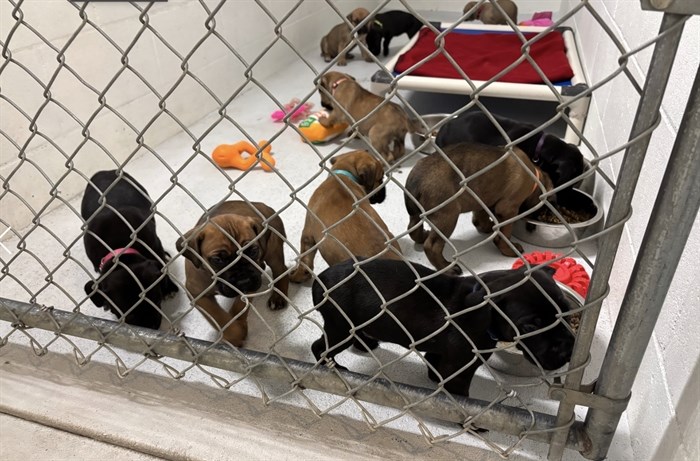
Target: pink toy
300,113
542,19
568,271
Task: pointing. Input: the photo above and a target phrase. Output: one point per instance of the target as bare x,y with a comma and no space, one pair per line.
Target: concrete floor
200,185
22,440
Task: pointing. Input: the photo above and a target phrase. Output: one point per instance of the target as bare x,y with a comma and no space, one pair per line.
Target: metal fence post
667,233
645,120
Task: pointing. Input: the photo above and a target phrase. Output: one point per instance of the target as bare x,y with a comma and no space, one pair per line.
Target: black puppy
389,25
560,160
109,236
412,316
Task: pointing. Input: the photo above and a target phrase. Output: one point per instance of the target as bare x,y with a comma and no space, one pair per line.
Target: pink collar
112,254
335,84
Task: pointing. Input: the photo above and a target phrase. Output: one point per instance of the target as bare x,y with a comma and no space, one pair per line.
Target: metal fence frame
671,220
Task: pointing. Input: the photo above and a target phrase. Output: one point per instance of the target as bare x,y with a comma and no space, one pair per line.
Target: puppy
386,128
340,37
435,185
226,255
489,14
414,315
389,25
360,232
560,160
123,247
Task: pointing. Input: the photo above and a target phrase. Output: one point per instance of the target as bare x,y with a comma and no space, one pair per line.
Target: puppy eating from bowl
123,246
560,160
448,317
340,36
226,255
446,186
386,128
338,228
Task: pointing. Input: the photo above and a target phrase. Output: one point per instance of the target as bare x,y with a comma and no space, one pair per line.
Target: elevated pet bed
482,52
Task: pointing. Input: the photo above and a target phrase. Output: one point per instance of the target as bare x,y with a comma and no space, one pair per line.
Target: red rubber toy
568,271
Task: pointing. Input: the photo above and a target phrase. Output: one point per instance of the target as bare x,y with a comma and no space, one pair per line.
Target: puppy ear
333,160
191,245
96,297
259,228
366,176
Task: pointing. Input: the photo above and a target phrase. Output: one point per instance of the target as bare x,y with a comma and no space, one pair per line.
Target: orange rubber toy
231,155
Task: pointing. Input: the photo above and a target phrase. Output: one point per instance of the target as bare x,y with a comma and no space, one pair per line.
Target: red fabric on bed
482,56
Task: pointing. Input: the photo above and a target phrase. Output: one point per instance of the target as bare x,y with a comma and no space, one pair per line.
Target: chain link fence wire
45,266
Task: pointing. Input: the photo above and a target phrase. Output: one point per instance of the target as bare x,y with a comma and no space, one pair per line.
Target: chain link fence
162,127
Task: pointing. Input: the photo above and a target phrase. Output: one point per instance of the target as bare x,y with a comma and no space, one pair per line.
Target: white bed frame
578,110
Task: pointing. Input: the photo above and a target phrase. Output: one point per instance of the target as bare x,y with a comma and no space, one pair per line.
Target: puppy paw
507,251
276,302
299,275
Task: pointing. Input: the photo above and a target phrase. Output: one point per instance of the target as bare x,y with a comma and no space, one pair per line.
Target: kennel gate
671,220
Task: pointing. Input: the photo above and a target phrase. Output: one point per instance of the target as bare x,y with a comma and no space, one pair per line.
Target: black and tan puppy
123,247
226,255
434,184
386,128
389,25
489,14
415,314
560,160
340,230
340,36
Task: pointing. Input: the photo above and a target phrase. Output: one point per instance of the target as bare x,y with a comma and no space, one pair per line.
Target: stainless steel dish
587,184
548,235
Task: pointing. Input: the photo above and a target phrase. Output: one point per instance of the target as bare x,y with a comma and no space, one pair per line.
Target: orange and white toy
231,155
312,131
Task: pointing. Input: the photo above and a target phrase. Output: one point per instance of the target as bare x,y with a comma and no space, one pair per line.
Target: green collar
346,173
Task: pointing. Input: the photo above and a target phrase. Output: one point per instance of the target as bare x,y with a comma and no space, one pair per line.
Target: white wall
180,23
663,413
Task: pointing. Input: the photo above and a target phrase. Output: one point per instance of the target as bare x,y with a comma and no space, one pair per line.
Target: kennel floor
200,185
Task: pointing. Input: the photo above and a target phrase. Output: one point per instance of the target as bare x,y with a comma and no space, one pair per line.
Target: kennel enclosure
26,317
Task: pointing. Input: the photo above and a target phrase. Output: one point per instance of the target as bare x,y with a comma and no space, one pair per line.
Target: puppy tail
417,233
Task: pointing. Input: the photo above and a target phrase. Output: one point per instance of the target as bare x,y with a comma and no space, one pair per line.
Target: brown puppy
433,182
361,232
386,128
226,255
340,36
489,14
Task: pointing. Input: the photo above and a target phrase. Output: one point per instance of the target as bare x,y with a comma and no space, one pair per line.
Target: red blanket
482,56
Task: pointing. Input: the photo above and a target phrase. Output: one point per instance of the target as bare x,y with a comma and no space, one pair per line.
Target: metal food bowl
548,235
587,184
511,361
419,138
